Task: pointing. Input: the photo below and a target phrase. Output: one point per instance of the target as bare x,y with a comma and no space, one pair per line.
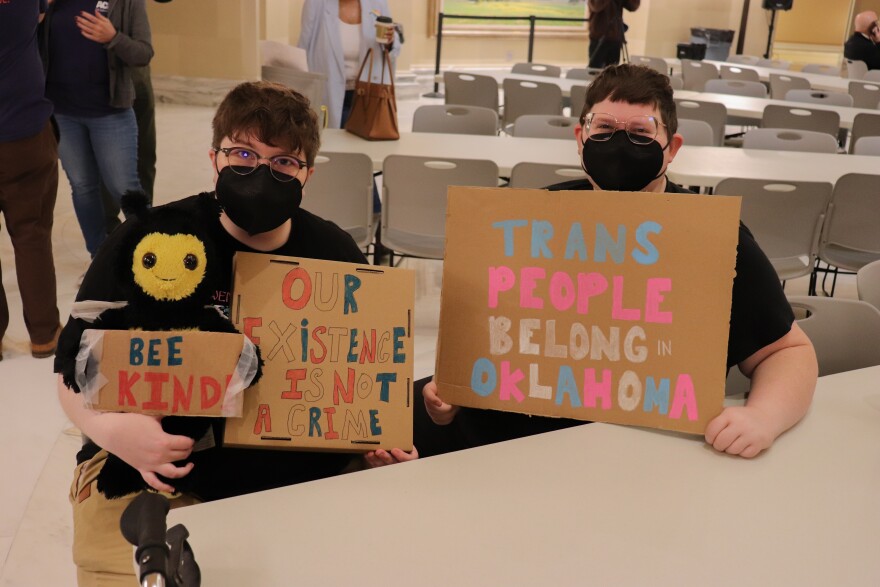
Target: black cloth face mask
620,165
257,202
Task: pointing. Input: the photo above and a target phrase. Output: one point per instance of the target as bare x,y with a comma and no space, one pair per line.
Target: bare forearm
783,385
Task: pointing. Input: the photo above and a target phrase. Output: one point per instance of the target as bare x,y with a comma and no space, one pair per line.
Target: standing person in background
862,45
89,48
607,29
28,173
336,35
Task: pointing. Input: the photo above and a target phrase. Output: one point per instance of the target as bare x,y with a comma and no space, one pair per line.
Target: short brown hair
634,84
271,113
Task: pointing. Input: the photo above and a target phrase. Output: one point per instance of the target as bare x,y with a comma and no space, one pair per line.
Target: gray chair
455,119
845,333
526,97
544,126
850,236
743,59
793,117
676,83
867,146
736,88
537,69
856,69
341,190
711,112
467,89
414,203
582,73
696,133
310,84
868,284
781,83
542,175
822,69
785,218
658,64
739,73
872,75
865,94
786,139
820,97
864,125
774,63
695,74
578,99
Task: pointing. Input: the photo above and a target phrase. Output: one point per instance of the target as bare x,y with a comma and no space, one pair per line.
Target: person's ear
674,145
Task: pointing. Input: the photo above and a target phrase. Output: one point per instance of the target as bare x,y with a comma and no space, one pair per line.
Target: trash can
717,41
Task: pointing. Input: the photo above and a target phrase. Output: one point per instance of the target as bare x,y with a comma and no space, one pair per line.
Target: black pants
604,52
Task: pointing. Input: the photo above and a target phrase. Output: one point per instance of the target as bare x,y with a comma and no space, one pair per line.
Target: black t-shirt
860,48
226,472
760,315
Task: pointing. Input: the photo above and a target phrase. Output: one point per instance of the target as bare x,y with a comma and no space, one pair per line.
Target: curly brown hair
274,114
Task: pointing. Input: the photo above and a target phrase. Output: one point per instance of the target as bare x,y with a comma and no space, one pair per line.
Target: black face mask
257,202
618,164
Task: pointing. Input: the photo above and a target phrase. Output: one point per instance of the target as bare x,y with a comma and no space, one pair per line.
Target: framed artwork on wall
513,8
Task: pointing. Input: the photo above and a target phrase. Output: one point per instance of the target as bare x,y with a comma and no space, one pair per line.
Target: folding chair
466,89
786,139
658,64
713,113
864,125
820,97
544,126
868,284
696,73
736,88
781,83
866,146
864,94
414,204
542,175
537,69
696,133
856,69
794,117
454,119
821,69
525,97
739,73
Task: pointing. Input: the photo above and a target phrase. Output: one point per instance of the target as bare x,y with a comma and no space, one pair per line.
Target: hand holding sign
440,412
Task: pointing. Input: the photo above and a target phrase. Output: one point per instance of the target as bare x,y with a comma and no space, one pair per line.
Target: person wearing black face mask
626,141
264,146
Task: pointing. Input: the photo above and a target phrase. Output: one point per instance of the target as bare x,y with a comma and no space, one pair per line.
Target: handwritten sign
597,306
337,342
180,373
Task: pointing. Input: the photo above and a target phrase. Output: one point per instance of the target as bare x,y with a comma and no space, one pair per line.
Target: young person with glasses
264,148
626,140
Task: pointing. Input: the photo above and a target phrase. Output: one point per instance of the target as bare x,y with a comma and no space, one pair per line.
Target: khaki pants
103,557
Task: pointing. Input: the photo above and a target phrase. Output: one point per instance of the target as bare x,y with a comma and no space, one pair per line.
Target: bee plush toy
168,271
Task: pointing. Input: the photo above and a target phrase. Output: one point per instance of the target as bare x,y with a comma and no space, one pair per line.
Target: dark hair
634,84
273,114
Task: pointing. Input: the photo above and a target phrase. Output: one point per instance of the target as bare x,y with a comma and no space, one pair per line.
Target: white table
702,166
746,107
818,81
592,505
503,150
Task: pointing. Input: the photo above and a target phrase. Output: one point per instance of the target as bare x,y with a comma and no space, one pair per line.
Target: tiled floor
37,456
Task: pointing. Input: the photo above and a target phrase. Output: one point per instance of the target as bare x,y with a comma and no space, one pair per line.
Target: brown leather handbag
374,108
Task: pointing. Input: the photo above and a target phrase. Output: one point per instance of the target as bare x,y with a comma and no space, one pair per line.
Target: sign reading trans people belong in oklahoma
602,306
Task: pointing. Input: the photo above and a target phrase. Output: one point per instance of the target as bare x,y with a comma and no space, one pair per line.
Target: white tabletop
746,107
592,505
818,81
702,166
503,150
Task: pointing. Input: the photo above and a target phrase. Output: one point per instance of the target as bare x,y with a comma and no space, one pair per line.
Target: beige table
592,505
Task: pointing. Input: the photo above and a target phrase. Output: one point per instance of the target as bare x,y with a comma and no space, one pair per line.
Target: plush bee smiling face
169,267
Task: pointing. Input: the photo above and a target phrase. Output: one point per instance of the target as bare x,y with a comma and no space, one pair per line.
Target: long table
696,166
818,81
590,505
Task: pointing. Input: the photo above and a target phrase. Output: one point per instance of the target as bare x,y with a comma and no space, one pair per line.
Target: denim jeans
92,150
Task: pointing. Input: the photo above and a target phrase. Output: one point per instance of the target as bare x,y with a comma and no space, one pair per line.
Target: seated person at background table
264,147
862,45
626,139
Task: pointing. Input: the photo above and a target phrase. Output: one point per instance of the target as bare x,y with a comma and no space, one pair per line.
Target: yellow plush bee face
169,267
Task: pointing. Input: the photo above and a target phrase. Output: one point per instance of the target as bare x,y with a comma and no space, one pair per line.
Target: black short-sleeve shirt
226,472
760,315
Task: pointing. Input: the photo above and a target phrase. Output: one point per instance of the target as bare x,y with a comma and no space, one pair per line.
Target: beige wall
218,38
814,22
206,38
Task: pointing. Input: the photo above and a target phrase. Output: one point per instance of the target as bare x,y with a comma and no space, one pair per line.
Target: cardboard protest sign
337,342
179,373
598,306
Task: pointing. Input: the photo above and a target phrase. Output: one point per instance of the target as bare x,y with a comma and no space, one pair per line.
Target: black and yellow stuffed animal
168,271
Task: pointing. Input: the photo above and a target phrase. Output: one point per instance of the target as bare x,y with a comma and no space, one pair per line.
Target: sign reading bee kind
601,306
337,341
165,373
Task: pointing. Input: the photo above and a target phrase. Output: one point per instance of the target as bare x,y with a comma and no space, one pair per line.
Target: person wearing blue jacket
336,35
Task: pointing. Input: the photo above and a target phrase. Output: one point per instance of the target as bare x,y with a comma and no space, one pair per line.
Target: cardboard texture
601,306
337,341
168,372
